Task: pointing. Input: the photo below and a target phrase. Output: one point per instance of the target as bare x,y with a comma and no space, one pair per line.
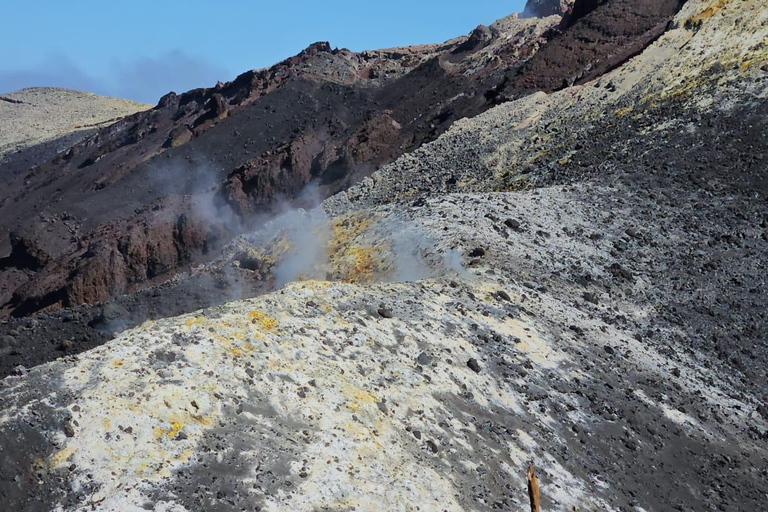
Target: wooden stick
533,489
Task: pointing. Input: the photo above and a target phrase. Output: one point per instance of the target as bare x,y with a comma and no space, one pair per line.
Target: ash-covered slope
39,115
37,123
159,191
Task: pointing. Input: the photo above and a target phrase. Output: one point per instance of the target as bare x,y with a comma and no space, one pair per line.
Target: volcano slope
158,191
38,122
162,191
574,279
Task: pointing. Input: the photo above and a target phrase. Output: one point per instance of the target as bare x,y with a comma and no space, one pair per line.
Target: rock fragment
477,252
424,359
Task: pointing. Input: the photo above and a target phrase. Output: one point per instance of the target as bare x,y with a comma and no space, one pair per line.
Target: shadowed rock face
164,189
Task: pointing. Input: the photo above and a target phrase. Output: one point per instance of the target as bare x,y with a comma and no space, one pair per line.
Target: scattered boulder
178,137
477,252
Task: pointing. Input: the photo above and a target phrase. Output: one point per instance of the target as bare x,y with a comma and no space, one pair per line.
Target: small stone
432,446
512,223
68,429
675,371
8,342
609,350
477,252
619,272
385,312
473,365
424,359
590,297
66,345
503,295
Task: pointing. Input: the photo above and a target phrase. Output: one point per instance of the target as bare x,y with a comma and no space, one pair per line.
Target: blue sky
143,49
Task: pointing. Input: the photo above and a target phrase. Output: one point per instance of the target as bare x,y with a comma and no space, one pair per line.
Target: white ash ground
327,395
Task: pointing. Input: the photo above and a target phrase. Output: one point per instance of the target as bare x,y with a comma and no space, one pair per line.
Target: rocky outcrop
544,8
25,254
594,38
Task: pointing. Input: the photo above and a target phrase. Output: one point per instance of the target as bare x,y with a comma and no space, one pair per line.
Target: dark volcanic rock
547,7
594,38
215,158
25,254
